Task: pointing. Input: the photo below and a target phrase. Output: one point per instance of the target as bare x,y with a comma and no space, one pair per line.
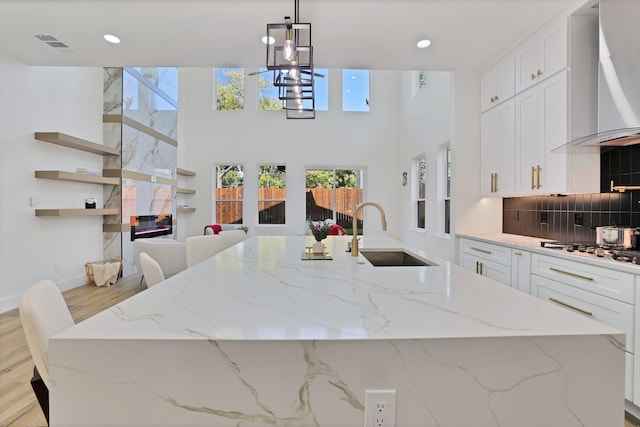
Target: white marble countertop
532,244
261,289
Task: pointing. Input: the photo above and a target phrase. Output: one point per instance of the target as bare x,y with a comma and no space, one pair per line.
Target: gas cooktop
591,249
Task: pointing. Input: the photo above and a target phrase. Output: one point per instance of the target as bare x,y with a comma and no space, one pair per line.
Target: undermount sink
394,258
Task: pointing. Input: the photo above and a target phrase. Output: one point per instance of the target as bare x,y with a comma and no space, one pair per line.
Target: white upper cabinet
498,150
541,55
541,126
553,103
498,83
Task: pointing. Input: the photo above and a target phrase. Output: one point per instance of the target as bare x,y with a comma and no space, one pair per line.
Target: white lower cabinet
604,295
493,261
521,270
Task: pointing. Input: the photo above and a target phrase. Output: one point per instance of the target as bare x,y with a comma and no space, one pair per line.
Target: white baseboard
11,302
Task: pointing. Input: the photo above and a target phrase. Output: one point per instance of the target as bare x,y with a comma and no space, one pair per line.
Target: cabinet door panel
552,102
526,64
527,146
521,270
552,49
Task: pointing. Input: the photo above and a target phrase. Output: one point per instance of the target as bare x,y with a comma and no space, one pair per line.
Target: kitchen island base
527,381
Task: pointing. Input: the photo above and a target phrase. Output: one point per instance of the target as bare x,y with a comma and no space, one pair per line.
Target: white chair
43,313
232,237
169,253
151,270
202,247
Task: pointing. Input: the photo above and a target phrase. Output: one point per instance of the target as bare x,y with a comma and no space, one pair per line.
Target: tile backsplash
573,217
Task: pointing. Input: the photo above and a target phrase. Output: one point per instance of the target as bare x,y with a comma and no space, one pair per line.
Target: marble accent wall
144,126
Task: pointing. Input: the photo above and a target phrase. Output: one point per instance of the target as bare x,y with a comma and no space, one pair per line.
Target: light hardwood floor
18,405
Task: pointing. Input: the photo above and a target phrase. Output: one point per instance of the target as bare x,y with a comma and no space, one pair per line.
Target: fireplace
143,226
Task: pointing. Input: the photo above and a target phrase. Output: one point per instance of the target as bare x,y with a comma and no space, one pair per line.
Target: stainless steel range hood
618,78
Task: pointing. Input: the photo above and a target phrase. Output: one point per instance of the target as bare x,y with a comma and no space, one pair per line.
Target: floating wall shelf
76,212
76,143
185,172
185,210
185,191
121,173
76,177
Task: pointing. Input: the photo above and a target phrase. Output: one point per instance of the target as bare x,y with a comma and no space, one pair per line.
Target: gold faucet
383,218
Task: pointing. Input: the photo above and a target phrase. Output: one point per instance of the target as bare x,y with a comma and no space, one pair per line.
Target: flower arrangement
244,228
320,229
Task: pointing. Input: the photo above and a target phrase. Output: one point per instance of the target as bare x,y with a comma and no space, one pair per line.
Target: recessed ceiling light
111,38
271,40
423,43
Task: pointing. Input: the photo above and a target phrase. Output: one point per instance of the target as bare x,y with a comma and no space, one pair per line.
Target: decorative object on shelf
90,203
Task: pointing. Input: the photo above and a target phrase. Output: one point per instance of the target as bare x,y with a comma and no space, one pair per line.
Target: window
267,92
420,190
230,88
445,189
321,89
229,186
355,90
272,192
419,80
334,194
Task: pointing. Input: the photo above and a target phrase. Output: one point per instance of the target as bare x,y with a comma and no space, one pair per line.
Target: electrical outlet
380,408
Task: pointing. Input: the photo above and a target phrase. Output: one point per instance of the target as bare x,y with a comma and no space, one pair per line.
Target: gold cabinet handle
493,99
481,269
533,76
495,182
533,184
497,97
484,251
539,170
477,267
517,253
539,72
573,307
568,273
492,183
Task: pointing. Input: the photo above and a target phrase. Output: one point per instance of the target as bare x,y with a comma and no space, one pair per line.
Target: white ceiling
373,34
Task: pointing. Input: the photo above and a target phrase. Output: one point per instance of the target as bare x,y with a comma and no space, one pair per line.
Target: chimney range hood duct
618,79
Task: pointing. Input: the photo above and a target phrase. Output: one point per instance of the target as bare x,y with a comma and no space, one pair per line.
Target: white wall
472,213
334,138
382,141
426,125
46,99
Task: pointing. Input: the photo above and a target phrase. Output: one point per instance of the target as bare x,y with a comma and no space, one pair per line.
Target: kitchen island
261,336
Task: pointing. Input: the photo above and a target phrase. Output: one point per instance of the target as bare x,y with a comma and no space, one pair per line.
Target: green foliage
323,178
272,176
229,176
319,178
230,95
266,102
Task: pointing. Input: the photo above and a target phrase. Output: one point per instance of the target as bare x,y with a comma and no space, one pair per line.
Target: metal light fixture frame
294,78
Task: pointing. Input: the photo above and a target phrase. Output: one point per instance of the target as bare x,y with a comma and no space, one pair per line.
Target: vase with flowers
320,230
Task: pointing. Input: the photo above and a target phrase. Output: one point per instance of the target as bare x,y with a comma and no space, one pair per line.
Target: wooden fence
319,205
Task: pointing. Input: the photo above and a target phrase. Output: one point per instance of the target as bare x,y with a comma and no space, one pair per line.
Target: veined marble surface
255,336
261,290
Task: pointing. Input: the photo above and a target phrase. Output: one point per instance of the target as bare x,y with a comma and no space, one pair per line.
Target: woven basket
88,268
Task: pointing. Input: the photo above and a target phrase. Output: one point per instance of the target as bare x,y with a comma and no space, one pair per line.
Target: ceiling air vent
51,41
